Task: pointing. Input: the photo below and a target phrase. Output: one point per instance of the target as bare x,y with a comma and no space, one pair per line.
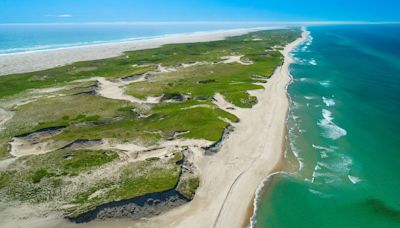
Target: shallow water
343,128
32,37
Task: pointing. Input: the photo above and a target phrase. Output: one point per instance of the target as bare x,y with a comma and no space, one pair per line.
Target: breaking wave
330,129
328,101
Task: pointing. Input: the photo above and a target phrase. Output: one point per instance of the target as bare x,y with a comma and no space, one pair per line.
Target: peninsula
167,134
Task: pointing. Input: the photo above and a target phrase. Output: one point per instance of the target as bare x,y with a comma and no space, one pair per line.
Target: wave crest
330,129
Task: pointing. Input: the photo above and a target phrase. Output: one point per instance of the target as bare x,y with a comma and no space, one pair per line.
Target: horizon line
321,22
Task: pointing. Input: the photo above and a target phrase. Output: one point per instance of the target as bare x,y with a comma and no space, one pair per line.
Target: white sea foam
308,40
321,194
339,164
328,149
303,79
309,97
259,189
354,179
328,101
297,155
330,129
313,62
298,60
324,151
324,154
325,83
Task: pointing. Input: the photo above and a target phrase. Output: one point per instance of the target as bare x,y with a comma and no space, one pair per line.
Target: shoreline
250,154
253,151
288,60
22,62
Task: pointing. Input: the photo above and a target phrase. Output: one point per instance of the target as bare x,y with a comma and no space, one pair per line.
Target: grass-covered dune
158,95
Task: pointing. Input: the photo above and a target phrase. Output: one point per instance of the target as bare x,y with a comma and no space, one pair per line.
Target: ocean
342,165
32,37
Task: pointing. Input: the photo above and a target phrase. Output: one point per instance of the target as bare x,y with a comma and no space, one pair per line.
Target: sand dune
229,178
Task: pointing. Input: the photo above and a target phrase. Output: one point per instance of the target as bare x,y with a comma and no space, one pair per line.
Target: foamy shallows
328,101
326,83
354,179
297,60
313,62
324,151
345,156
308,41
309,97
319,194
330,129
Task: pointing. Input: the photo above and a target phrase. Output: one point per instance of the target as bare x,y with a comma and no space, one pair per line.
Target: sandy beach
229,178
44,59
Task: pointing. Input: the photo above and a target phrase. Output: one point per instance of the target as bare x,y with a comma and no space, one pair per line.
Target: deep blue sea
343,158
32,37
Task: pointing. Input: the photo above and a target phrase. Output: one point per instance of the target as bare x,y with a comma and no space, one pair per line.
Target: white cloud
58,15
64,15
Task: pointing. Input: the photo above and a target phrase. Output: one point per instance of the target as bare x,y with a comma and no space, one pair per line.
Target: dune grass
135,62
187,186
186,106
136,179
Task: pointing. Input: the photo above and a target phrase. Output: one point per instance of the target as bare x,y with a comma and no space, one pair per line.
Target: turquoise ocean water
32,37
343,160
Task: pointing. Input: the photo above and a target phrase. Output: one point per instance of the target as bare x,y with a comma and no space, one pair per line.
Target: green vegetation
136,62
57,176
39,178
79,180
39,174
187,186
165,119
62,111
136,179
110,68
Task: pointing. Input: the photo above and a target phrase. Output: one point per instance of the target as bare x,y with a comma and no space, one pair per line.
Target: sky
72,11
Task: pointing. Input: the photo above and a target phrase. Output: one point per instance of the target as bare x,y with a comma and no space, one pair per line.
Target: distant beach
44,59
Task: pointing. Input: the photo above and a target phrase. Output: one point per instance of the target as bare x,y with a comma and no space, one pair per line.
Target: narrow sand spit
229,178
40,60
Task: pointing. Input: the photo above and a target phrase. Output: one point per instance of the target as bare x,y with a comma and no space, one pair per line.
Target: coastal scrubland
90,133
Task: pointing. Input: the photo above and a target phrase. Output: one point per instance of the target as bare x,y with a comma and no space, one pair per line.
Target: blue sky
25,11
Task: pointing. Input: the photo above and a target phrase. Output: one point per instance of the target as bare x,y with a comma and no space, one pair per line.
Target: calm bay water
343,128
32,37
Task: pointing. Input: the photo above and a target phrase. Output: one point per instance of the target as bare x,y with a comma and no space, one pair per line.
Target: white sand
39,60
235,59
229,178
